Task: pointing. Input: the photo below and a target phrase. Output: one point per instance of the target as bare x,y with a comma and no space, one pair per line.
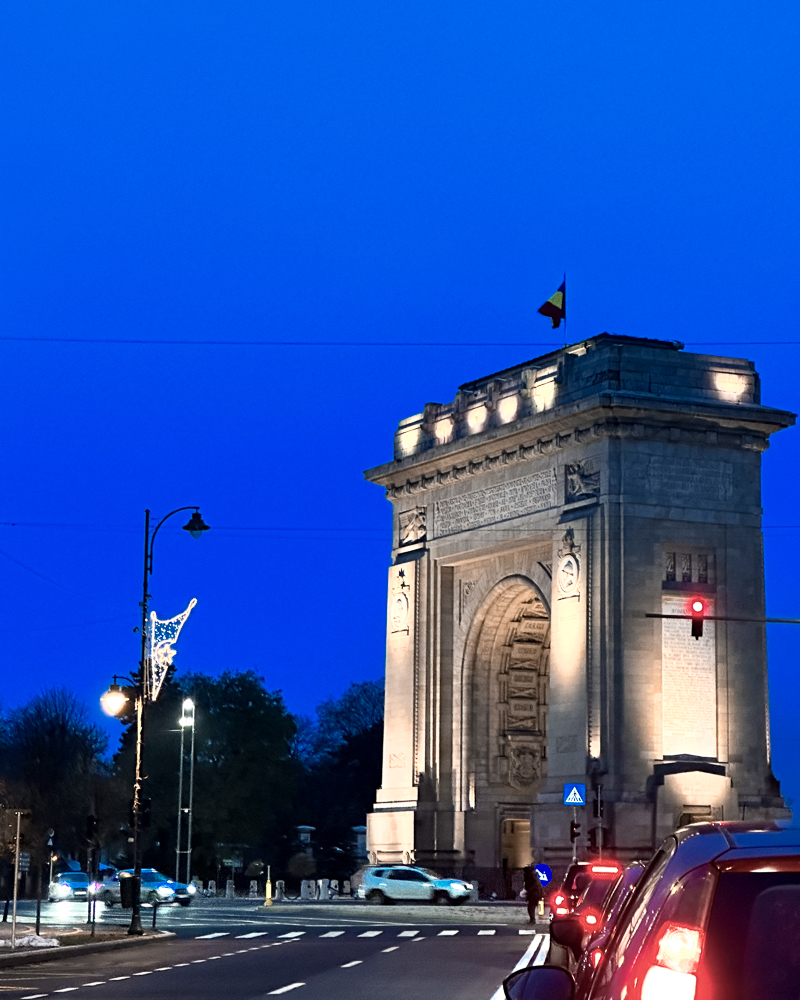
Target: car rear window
752,946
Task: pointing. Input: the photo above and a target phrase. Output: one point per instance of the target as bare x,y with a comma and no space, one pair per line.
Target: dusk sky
376,197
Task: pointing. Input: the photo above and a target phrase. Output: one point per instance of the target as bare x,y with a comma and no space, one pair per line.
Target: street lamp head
196,525
188,705
114,700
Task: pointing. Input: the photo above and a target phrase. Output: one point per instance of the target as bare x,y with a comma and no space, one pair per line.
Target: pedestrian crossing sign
574,795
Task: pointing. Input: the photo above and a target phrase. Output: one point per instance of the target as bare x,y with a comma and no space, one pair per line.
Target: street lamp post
144,689
186,721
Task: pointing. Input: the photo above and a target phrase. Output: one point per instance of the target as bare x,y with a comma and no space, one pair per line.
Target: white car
396,883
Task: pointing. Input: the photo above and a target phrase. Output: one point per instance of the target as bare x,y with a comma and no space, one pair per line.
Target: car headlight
164,890
191,888
63,890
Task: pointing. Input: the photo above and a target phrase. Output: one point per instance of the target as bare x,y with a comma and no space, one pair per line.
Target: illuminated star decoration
161,637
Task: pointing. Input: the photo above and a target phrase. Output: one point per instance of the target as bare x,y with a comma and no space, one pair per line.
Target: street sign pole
16,883
574,842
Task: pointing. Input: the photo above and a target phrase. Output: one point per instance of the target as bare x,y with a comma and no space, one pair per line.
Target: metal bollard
5,911
155,911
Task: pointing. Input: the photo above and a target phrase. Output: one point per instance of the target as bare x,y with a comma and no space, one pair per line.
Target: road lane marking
215,958
349,965
336,934
285,989
369,933
207,937
227,954
394,947
252,934
34,996
293,934
181,965
446,933
408,933
163,968
148,973
100,982
197,961
117,979
486,933
538,945
66,989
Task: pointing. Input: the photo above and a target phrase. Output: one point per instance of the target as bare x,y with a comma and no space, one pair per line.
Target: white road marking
524,930
163,968
446,933
370,933
181,965
117,979
227,954
207,937
336,934
252,934
408,933
291,934
538,946
66,989
148,973
349,965
486,933
197,961
393,948
285,989
215,958
34,996
100,982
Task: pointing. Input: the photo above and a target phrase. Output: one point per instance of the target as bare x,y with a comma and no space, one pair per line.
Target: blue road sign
544,874
574,795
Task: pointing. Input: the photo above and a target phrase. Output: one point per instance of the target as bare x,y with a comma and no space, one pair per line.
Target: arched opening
506,698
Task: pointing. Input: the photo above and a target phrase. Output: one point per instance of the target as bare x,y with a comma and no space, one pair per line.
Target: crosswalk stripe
291,934
252,934
207,937
408,933
486,933
370,933
446,933
330,934
395,947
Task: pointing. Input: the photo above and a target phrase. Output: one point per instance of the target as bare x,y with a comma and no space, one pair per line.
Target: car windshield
154,877
753,939
78,878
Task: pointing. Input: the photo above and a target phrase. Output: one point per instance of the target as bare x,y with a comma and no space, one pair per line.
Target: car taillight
596,957
605,871
591,920
672,977
559,899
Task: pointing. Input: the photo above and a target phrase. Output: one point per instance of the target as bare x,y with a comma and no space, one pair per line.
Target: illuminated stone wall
538,518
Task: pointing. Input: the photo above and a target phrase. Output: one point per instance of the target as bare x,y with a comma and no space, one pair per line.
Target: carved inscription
689,684
497,503
693,480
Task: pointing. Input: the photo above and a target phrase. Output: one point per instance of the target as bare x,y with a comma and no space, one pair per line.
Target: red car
714,916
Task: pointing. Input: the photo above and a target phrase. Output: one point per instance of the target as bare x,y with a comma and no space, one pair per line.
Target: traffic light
698,609
574,831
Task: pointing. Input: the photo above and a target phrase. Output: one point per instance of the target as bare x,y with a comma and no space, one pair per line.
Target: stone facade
538,519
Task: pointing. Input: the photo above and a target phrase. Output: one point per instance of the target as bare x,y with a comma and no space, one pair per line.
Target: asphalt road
245,952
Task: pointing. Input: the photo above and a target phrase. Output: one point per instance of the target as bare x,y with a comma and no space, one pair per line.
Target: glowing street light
157,650
186,721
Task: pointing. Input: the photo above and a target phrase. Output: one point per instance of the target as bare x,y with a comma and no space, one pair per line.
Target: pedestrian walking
533,890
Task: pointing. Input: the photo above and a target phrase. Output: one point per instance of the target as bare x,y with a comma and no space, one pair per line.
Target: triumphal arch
539,518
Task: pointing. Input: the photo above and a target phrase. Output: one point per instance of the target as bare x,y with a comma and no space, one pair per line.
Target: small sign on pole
574,794
544,873
24,861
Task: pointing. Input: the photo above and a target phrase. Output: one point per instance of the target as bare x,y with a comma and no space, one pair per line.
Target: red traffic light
697,609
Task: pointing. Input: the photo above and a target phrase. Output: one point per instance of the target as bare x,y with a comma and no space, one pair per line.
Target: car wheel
184,902
152,897
377,898
108,899
440,899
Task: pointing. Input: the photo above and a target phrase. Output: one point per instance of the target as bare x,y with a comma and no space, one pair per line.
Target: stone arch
505,678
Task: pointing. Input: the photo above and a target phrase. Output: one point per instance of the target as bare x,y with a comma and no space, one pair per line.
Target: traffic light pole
575,839
732,618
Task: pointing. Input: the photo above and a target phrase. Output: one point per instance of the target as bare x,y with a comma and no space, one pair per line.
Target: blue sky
377,173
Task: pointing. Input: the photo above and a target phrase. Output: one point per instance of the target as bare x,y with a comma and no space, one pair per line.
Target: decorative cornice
611,428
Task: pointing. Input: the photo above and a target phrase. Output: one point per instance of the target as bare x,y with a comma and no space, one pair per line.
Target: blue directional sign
574,795
544,874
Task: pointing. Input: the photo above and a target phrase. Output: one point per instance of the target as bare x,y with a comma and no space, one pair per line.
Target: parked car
68,885
396,883
715,914
155,888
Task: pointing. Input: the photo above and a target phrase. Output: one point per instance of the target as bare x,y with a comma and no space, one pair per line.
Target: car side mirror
545,982
568,932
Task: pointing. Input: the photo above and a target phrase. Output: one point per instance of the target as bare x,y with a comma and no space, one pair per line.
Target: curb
70,950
